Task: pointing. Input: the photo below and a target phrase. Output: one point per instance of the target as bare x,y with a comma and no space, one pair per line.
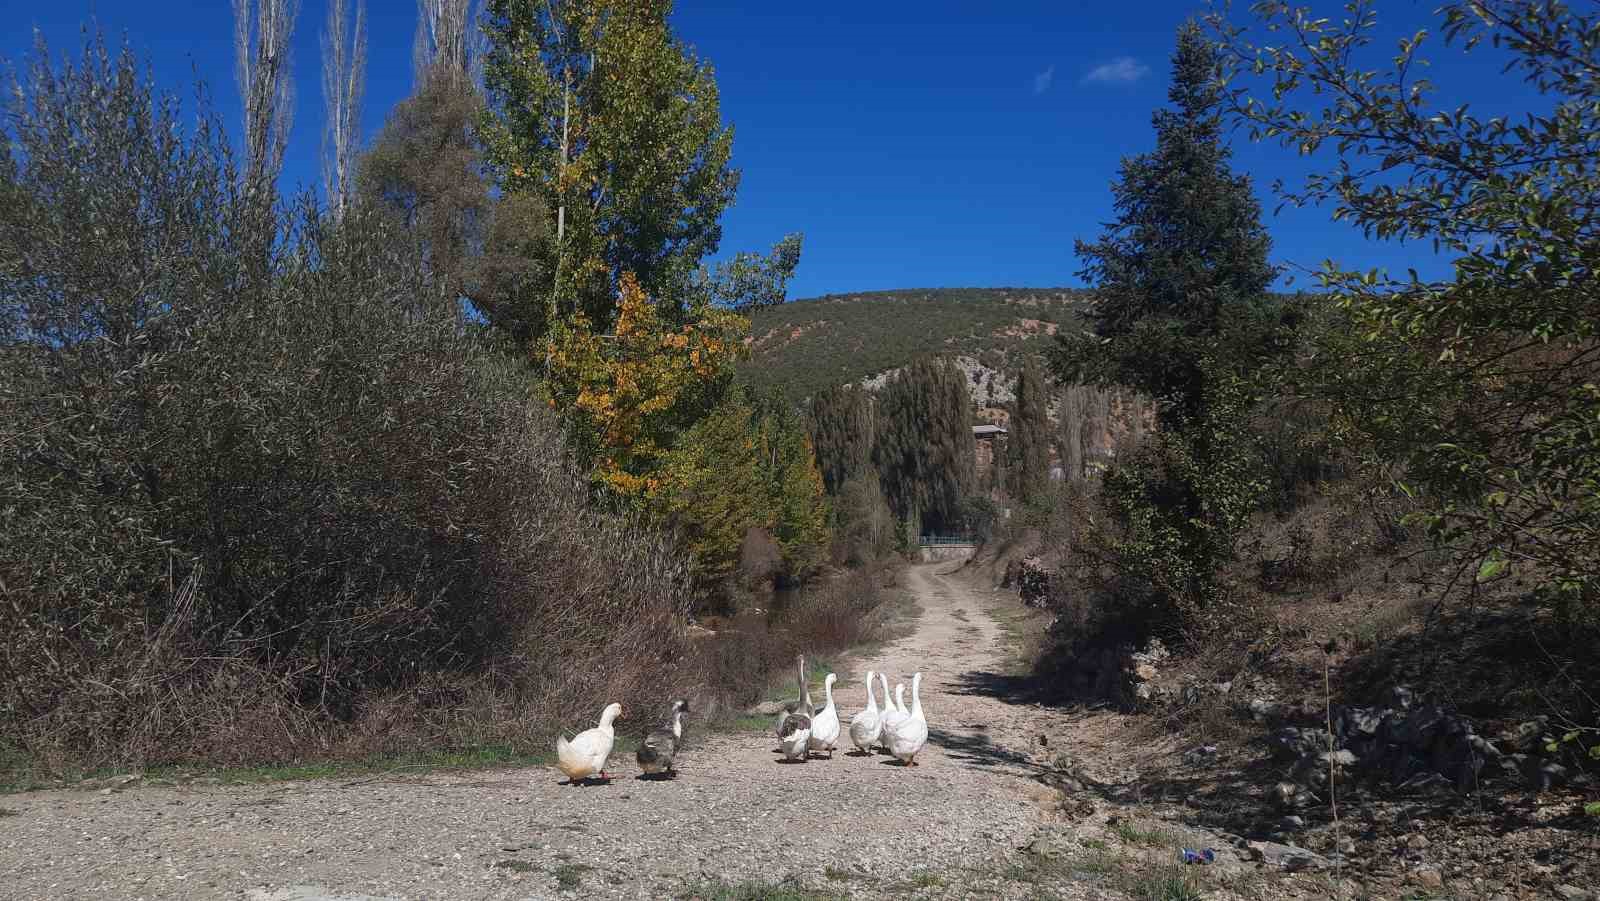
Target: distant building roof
987,431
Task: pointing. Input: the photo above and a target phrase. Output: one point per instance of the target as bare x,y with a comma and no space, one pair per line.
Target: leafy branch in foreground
1484,387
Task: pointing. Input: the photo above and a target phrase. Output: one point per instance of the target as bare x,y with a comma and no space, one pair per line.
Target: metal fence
945,540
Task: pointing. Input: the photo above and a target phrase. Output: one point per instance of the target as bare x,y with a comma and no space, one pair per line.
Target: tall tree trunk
264,66
344,63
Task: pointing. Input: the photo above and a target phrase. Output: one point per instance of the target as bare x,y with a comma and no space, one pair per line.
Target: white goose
825,725
866,726
883,717
896,715
911,733
585,756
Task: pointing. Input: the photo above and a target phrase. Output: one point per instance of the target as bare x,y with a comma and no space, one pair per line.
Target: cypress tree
924,447
839,420
1029,441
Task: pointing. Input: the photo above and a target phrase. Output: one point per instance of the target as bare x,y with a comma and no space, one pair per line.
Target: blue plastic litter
1199,855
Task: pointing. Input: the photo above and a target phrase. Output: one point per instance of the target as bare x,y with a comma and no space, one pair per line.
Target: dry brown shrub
729,671
760,558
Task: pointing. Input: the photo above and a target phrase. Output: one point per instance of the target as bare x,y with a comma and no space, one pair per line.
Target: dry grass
751,660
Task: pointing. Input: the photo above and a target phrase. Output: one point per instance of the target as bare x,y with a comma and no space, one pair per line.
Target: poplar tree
602,112
263,33
344,69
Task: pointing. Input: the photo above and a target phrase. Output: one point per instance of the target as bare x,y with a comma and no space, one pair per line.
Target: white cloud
1122,70
1042,81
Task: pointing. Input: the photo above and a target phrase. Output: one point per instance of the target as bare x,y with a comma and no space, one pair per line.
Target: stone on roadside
1286,857
1429,878
1342,757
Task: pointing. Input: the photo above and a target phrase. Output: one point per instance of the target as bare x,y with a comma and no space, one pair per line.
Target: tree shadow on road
977,750
1015,690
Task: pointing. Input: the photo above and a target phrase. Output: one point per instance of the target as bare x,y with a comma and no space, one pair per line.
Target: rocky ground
1012,800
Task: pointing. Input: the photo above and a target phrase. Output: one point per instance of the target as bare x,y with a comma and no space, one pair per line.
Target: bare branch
443,42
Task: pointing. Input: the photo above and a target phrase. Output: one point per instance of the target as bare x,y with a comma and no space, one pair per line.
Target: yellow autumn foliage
633,390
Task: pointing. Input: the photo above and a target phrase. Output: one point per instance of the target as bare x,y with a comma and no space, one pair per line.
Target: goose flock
803,730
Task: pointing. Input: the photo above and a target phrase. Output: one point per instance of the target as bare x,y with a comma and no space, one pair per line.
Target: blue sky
925,144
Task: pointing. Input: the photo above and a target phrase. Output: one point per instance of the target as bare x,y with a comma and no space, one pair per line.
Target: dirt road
851,826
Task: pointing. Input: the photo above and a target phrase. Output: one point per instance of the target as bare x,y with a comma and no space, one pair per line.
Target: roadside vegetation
1387,480
443,459
435,465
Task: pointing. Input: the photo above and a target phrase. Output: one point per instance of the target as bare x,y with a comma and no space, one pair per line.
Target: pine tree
1183,267
1181,313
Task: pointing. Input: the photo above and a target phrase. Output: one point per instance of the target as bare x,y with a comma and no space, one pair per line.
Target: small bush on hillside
262,492
1165,522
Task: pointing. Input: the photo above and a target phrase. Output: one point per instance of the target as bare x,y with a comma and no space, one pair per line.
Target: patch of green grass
839,875
516,866
1167,885
755,891
1099,862
1030,872
781,685
1024,629
570,875
1095,844
748,722
1592,809
899,611
924,879
20,775
1381,626
1147,838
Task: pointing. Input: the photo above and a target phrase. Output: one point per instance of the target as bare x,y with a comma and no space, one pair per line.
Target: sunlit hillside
809,344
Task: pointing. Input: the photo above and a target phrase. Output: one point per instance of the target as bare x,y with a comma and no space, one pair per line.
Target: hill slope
806,345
